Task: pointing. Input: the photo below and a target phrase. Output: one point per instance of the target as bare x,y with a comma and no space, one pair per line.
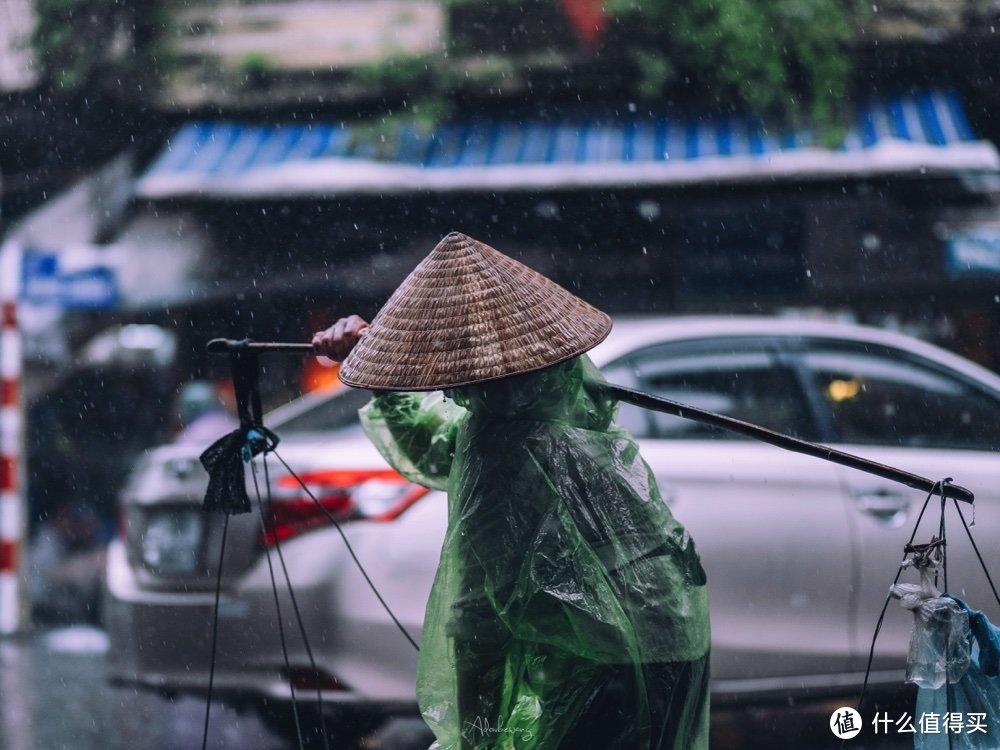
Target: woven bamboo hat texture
469,314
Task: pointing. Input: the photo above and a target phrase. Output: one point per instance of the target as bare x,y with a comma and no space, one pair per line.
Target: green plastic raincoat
569,608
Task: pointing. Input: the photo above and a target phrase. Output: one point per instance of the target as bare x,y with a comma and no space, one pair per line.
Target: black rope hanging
938,489
939,541
224,461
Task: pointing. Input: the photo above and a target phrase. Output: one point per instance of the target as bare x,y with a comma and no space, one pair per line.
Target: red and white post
11,439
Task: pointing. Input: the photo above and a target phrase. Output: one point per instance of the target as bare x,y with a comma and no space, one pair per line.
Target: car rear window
338,411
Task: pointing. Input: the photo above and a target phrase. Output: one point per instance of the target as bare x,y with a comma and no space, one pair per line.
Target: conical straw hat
468,314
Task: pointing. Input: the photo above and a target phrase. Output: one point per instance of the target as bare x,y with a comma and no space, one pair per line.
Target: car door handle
885,506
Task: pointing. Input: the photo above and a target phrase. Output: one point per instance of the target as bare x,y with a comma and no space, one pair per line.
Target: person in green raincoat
569,610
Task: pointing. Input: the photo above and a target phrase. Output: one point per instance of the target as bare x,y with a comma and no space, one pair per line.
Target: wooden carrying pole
656,403
917,482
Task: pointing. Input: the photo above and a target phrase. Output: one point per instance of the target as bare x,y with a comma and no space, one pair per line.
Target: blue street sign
974,252
45,282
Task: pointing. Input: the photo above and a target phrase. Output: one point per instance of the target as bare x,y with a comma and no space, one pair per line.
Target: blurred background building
175,171
302,154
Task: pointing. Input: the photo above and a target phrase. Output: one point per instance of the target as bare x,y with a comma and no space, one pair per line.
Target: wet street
54,696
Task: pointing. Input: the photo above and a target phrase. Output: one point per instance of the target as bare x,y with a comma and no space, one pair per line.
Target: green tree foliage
787,58
80,43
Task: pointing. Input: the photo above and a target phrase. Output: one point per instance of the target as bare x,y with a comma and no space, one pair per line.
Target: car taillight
344,494
123,521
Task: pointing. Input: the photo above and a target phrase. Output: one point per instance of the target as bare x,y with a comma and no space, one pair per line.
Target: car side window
884,396
740,380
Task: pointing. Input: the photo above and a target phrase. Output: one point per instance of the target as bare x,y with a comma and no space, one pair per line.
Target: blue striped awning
927,132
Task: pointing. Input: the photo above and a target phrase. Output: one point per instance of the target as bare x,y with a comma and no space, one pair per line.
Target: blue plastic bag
967,712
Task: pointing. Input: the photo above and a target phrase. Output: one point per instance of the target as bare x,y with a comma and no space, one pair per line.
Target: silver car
799,552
